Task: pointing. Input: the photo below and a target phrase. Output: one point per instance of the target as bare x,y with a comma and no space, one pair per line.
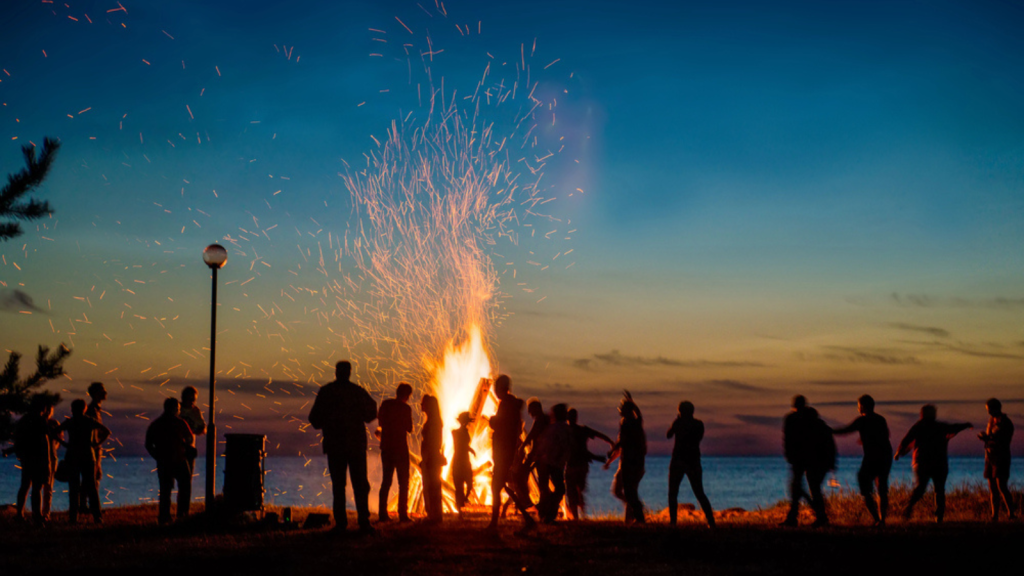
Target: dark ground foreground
129,541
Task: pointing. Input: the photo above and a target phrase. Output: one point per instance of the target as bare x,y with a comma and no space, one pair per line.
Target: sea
730,482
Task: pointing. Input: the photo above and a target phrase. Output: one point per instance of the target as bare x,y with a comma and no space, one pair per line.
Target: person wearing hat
462,466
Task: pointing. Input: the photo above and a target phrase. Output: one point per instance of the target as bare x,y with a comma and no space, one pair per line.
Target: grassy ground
129,541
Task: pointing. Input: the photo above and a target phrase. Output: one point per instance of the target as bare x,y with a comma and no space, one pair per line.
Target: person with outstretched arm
929,439
877,462
578,467
630,449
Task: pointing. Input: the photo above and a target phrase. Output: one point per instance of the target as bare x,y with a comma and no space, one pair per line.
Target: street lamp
215,257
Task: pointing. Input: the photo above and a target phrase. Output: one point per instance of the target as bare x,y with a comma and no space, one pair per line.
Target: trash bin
243,472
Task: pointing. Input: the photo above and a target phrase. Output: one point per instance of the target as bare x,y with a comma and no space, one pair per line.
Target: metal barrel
243,472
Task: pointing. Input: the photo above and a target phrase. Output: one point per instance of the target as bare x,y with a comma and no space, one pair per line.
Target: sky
753,200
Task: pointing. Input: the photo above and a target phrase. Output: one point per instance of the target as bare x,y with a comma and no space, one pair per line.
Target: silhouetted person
630,449
34,439
507,428
395,421
526,459
341,411
168,440
432,458
810,455
84,436
877,462
54,438
822,461
688,432
97,394
997,437
462,466
794,445
192,416
930,441
578,467
552,455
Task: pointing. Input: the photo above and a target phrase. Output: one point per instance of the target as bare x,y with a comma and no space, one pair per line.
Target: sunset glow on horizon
730,204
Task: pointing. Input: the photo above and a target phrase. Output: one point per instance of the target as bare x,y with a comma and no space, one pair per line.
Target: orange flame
461,382
457,384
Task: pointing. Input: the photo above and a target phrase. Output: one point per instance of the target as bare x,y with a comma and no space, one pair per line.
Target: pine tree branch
9,230
12,204
16,395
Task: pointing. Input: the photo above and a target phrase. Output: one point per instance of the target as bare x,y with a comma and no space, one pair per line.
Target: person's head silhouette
799,402
866,404
994,406
404,392
430,407
686,409
560,412
343,371
928,412
97,391
189,395
573,416
534,408
78,407
171,406
627,408
502,386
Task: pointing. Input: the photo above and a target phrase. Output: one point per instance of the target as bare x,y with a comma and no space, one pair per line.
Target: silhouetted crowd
555,453
37,436
553,457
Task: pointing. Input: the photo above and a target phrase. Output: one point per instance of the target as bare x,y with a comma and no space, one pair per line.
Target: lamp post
215,257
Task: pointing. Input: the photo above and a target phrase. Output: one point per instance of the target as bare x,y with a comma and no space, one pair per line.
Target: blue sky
778,197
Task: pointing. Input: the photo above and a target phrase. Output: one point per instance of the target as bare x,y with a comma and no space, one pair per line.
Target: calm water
294,481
